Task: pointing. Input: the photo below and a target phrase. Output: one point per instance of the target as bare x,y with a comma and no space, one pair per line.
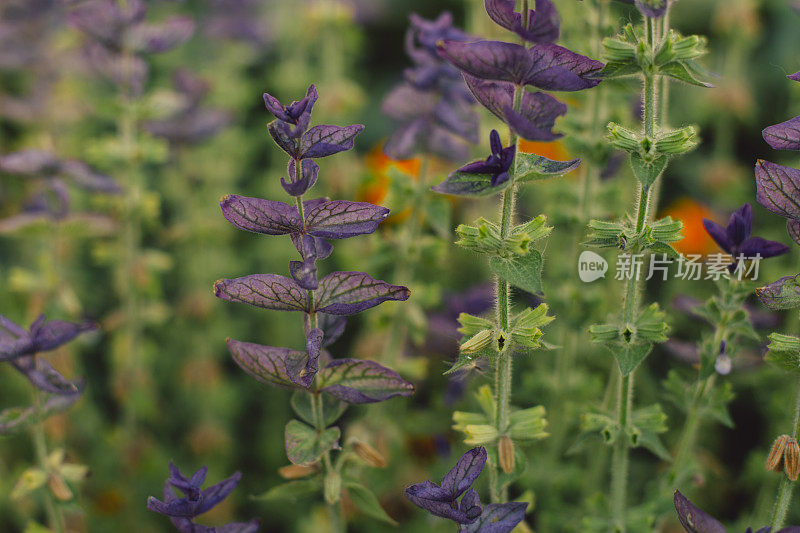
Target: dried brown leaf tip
785,456
505,454
297,471
369,455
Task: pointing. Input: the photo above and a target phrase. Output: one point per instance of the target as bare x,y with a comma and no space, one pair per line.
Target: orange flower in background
696,239
379,164
550,150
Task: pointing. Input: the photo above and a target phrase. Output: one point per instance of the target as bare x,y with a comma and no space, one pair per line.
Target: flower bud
61,491
791,459
332,487
369,455
297,471
775,457
478,342
505,454
623,138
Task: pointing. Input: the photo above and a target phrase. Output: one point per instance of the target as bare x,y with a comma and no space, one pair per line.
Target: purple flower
296,116
795,76
543,23
196,501
653,9
498,518
695,520
495,169
441,500
736,240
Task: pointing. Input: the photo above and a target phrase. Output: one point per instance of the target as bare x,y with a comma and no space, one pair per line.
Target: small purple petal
162,37
304,273
718,233
309,174
784,136
693,519
498,518
216,493
302,370
653,9
83,176
543,24
358,382
471,504
348,293
778,188
465,472
267,291
758,246
795,76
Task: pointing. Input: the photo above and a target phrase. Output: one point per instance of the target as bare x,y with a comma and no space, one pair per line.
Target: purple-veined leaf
348,293
538,111
325,140
546,66
341,219
265,363
305,445
261,216
267,291
355,381
793,228
281,133
543,23
498,518
781,294
778,188
308,177
695,520
784,136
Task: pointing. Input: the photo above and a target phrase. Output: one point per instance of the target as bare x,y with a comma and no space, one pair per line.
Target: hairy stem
55,518
784,497
620,459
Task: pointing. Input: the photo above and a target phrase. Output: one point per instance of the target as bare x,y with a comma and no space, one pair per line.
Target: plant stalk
55,518
787,485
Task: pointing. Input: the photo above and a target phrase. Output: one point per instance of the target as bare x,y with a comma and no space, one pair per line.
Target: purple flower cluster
778,190
324,301
735,238
119,37
432,105
21,348
51,174
496,71
197,501
442,499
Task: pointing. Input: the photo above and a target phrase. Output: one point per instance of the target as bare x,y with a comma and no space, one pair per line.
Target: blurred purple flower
236,20
197,501
433,107
191,123
736,240
653,9
42,336
496,167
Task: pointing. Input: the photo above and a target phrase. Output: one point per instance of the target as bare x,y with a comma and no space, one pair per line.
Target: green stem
787,485
689,432
620,458
327,465
55,518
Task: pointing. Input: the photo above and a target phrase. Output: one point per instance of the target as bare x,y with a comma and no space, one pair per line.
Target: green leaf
524,272
305,445
292,490
628,355
532,167
439,215
619,69
784,351
684,71
647,172
332,408
466,361
367,502
30,480
463,184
